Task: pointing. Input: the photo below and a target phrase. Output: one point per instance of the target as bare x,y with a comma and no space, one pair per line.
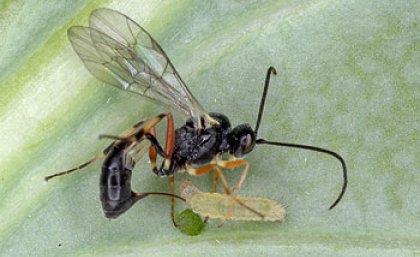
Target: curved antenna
316,149
264,95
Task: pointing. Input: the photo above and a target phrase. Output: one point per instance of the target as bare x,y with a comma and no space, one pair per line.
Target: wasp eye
247,143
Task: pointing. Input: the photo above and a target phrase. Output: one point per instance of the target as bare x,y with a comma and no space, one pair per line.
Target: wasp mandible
119,52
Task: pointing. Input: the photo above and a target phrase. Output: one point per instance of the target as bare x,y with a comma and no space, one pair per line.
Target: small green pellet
189,222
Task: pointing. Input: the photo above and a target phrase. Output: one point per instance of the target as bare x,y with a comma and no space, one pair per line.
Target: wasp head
241,140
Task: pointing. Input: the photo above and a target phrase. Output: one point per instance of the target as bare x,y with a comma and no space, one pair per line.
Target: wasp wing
119,52
135,153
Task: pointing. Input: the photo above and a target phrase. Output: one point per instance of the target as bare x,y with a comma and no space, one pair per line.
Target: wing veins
118,51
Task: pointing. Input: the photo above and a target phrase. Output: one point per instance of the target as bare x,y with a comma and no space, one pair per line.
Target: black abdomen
115,184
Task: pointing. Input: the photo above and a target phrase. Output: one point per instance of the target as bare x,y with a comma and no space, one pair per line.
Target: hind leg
81,166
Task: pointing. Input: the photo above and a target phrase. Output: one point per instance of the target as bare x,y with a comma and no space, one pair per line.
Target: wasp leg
234,164
153,152
169,149
233,197
173,196
155,144
170,139
150,137
216,182
207,168
134,152
136,132
153,158
81,166
204,169
155,148
172,191
143,129
126,133
139,130
103,136
165,168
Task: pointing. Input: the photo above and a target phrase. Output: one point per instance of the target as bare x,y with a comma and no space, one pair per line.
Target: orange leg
169,147
207,168
168,151
204,169
170,137
234,164
169,144
153,152
228,165
216,182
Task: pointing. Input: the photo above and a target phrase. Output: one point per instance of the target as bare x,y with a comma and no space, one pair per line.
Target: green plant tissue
348,80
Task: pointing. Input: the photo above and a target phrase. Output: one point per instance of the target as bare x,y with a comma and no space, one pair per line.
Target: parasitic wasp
119,52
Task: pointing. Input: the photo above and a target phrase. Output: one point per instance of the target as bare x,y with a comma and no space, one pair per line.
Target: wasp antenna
264,95
316,149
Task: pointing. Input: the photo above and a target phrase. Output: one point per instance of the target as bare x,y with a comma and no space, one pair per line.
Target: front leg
232,164
228,164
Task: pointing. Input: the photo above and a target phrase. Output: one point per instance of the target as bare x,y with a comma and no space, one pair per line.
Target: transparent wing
117,51
135,153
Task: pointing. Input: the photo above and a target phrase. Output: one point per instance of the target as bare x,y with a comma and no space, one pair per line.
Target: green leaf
348,80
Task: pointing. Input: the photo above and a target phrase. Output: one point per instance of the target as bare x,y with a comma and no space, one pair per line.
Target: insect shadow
119,52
